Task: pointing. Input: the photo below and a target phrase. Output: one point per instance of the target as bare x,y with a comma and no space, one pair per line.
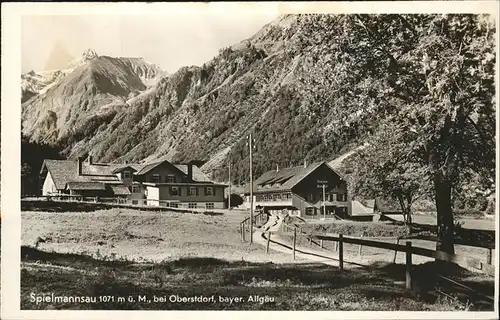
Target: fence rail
259,218
476,244
439,255
407,248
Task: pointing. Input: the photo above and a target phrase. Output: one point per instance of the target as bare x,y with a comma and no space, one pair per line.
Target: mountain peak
89,54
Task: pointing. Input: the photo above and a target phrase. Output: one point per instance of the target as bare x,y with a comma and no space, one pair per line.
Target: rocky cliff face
54,102
272,85
33,83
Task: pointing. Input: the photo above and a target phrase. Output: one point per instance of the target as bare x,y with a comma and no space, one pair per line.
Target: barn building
299,191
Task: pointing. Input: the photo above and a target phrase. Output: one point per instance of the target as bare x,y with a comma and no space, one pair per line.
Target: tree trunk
406,211
445,224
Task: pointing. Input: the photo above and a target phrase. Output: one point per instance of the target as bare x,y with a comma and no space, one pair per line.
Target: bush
236,200
357,229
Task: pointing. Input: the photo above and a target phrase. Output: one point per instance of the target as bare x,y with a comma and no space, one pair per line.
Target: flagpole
229,196
251,188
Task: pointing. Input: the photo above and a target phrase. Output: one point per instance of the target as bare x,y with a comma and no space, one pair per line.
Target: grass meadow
149,257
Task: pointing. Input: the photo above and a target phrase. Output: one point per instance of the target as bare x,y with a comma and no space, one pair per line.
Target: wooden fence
407,248
259,219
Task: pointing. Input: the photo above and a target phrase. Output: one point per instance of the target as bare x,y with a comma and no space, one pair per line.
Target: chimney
190,171
79,166
90,159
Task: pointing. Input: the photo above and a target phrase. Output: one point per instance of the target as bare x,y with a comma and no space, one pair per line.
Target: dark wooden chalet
299,191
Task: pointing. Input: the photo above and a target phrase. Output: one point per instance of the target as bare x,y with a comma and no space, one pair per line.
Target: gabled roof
64,171
198,175
150,166
124,167
146,168
284,179
182,169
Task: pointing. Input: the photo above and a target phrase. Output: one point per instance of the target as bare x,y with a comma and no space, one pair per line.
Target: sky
169,40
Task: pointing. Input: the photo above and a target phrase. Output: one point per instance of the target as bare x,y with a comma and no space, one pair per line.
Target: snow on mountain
34,83
87,55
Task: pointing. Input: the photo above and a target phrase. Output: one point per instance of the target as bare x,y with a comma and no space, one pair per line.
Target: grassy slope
140,235
308,287
188,254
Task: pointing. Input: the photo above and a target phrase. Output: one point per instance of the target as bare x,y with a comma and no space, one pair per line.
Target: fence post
341,253
408,265
243,230
321,243
268,241
395,252
488,256
294,241
360,246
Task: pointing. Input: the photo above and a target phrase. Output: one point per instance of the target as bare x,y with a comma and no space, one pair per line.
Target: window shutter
197,191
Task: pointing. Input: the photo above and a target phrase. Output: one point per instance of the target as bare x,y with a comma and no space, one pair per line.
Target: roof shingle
283,179
64,171
85,185
120,190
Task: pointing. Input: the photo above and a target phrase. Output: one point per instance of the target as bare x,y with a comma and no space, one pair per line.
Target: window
170,178
210,205
126,175
135,202
192,205
136,189
193,191
341,197
310,211
287,196
209,191
174,191
331,197
310,197
172,205
155,178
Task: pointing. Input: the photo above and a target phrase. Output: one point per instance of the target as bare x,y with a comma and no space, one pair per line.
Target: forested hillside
308,87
